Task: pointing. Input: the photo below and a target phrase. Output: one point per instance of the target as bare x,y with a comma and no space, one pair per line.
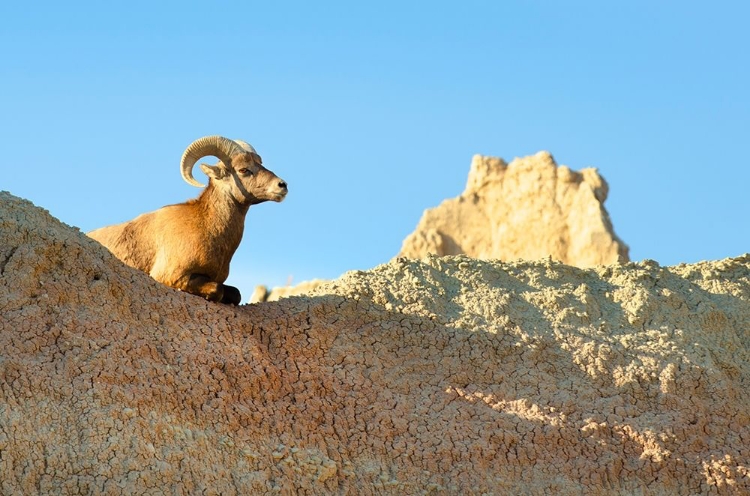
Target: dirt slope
443,376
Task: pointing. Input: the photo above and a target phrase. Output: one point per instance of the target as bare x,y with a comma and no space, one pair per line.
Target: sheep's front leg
201,285
204,286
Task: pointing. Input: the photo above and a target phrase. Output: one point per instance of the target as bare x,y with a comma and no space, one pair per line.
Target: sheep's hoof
215,294
231,295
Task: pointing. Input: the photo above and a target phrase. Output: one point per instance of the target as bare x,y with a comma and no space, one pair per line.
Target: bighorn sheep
188,246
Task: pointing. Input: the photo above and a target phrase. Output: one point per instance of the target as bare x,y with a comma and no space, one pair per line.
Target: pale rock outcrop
262,293
440,376
529,209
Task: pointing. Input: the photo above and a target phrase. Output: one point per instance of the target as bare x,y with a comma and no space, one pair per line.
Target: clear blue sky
372,112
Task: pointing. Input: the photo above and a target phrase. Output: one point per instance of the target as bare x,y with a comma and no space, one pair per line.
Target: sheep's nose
282,184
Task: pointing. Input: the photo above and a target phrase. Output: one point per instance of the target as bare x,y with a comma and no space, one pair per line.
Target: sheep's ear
213,171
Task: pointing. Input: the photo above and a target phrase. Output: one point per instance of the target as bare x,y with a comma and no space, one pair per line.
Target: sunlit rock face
529,209
447,375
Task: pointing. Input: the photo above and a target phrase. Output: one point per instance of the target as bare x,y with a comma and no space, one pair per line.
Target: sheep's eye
245,172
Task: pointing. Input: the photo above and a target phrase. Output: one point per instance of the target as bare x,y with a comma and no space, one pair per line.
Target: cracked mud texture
441,376
529,209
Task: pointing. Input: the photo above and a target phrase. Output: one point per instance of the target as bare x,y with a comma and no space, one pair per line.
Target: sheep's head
240,172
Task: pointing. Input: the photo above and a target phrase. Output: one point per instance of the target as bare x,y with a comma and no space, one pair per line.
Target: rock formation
262,293
530,209
440,376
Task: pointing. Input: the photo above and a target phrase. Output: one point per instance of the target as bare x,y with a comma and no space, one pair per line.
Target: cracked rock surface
441,376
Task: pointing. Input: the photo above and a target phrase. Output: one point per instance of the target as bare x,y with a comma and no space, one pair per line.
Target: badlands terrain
452,374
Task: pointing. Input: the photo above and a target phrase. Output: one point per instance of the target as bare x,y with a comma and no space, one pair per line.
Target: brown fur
189,246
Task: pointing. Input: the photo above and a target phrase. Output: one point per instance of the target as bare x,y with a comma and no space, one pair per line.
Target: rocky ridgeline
447,375
530,209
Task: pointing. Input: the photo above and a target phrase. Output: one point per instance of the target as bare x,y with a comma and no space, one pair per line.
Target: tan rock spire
528,209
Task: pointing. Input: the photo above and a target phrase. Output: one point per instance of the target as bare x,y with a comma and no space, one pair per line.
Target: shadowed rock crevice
447,375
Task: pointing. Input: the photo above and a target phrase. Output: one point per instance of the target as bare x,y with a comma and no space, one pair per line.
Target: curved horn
217,146
247,146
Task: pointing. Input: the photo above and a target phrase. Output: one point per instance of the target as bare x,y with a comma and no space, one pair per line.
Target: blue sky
372,112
